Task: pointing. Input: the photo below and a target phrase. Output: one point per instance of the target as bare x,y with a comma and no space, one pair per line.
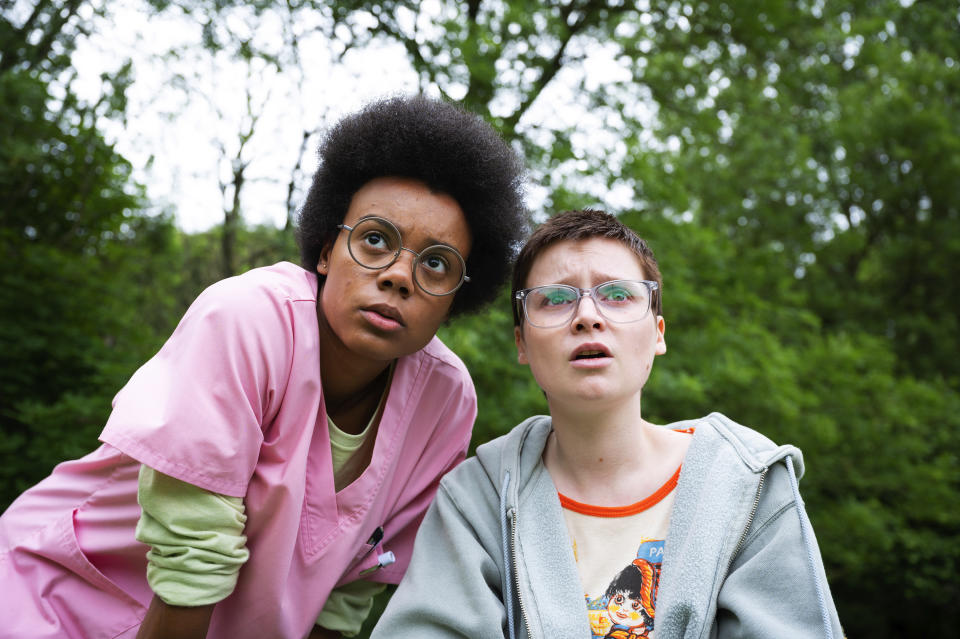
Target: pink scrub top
233,403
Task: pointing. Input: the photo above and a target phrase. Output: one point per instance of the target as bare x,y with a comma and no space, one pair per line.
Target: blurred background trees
793,164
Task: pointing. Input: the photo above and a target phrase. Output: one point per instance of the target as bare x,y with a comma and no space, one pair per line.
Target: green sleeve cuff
195,536
347,607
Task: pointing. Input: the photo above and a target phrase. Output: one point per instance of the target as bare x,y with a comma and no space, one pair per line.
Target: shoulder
492,458
280,283
468,477
518,450
445,359
265,302
517,453
470,491
719,434
444,368
733,457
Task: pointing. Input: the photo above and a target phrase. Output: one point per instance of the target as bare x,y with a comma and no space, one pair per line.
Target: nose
587,315
399,275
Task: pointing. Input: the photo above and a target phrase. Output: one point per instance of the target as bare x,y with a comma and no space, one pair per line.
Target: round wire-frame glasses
375,243
620,301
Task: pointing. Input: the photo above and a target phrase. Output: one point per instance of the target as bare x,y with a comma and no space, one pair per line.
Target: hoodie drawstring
507,565
806,534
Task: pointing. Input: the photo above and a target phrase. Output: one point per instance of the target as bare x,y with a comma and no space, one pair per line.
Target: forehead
585,263
422,216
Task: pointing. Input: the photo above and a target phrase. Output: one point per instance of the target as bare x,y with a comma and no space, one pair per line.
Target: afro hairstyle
447,148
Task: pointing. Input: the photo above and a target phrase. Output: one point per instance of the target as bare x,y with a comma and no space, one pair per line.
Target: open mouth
590,355
590,351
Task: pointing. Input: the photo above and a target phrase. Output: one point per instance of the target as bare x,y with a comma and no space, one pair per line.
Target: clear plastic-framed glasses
621,301
375,243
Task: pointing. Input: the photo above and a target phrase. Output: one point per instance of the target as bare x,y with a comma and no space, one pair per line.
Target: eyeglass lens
375,243
619,301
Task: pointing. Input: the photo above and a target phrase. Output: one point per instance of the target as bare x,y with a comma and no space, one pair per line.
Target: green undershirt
197,545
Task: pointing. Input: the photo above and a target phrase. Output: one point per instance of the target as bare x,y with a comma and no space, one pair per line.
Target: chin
372,347
577,395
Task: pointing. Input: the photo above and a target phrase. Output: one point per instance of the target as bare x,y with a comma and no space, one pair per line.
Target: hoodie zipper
512,516
753,513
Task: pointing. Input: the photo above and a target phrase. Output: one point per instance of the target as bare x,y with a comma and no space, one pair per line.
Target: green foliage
200,263
83,284
830,133
76,324
884,484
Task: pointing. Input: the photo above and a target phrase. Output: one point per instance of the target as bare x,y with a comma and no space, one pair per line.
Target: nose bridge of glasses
398,261
415,262
414,254
591,294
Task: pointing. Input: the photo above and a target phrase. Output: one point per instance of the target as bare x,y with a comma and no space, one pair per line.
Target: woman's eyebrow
430,239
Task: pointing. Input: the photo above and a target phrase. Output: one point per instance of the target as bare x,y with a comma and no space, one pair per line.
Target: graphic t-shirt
619,552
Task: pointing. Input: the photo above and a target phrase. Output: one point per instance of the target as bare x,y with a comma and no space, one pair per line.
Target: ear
661,340
323,264
521,346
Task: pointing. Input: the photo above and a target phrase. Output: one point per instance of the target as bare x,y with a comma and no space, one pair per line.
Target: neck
608,456
351,384
592,439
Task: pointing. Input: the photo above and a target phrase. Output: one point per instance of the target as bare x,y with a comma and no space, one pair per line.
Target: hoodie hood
520,451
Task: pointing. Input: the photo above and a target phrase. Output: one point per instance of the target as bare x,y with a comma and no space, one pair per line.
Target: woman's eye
375,239
435,263
616,295
556,299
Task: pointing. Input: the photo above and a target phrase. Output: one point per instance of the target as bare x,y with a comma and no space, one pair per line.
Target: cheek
329,308
542,370
430,316
646,347
332,281
336,283
439,308
538,348
336,294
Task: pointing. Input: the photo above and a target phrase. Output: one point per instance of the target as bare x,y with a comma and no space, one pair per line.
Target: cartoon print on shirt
626,609
630,599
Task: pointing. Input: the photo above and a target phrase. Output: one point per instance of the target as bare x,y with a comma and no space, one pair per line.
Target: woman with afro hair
264,474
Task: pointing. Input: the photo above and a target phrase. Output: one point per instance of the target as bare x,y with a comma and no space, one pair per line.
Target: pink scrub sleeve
195,410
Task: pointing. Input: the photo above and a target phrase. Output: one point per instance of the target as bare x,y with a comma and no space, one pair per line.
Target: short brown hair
583,225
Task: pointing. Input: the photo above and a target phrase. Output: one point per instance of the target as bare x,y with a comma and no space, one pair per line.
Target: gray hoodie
493,558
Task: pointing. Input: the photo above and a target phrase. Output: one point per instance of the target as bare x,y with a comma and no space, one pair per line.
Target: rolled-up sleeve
196,539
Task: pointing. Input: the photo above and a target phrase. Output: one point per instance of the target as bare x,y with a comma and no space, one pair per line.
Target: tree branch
549,69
